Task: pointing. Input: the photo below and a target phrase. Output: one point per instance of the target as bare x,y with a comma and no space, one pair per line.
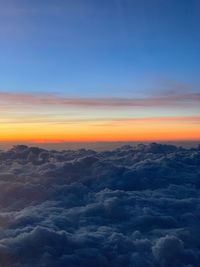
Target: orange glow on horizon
49,118
151,129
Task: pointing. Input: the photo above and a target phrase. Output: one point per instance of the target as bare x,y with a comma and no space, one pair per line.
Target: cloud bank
132,206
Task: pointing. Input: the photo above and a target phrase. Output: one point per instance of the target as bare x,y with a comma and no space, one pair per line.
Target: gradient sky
99,70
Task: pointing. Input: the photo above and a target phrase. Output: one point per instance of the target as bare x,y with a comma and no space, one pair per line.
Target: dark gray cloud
132,206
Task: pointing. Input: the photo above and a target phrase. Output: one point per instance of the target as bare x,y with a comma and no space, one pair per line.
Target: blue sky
85,70
99,48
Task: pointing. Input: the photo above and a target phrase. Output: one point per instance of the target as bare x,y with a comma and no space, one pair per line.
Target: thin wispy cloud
99,121
25,99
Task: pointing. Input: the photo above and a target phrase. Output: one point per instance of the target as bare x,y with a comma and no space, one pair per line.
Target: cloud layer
26,99
132,206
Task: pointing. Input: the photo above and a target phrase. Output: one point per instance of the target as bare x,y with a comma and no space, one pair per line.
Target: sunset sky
99,70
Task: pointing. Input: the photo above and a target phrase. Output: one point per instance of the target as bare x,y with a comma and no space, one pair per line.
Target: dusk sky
99,70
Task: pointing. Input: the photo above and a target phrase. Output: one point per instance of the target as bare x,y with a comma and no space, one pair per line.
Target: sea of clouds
130,207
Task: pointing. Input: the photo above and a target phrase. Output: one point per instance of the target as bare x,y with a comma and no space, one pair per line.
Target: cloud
131,206
169,250
25,99
78,119
99,121
127,121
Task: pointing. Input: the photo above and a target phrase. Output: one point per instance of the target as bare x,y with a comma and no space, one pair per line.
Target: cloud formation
54,100
132,206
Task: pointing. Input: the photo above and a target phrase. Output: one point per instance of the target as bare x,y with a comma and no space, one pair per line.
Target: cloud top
132,206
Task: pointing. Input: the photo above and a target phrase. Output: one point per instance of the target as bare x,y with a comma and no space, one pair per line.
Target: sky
103,70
